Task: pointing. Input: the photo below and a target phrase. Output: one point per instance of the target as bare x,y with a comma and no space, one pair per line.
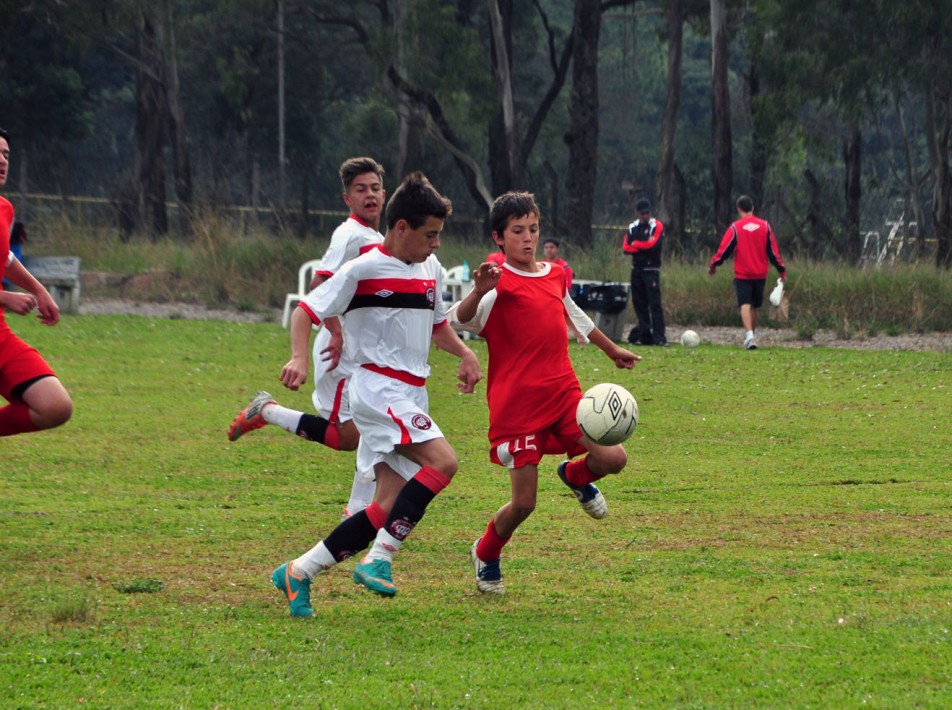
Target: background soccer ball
690,339
607,414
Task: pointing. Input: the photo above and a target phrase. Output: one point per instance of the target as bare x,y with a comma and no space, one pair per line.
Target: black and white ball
607,414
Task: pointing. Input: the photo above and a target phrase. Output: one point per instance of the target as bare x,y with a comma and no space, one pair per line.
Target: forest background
835,117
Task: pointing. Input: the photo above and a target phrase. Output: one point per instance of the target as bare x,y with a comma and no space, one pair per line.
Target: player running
521,310
36,398
391,298
364,194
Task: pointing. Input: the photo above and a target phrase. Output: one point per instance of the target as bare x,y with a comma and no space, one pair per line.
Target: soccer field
781,537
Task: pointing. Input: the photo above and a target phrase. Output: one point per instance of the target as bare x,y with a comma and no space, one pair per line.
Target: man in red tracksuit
753,245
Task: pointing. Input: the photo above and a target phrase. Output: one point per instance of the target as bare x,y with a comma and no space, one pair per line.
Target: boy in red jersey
393,314
521,310
752,243
37,399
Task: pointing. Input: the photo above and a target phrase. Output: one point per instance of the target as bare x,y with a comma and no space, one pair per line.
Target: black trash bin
607,303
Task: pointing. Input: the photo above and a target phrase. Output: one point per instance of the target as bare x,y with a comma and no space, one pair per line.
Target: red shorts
19,363
561,437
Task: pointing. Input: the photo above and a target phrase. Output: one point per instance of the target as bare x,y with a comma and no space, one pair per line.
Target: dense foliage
839,129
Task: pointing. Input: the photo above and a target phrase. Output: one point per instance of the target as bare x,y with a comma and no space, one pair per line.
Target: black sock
408,509
312,428
350,536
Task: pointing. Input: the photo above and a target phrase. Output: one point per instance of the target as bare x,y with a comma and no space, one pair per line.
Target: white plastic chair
305,274
458,289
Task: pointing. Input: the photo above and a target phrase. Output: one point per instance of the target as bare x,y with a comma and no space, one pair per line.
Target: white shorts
331,399
388,413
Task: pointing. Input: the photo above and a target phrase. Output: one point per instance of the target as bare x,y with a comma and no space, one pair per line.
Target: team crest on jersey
431,297
750,227
384,293
421,422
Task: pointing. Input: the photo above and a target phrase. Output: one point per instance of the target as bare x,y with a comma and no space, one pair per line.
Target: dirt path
768,337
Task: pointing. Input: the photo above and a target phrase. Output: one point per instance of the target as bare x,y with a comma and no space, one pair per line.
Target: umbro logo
751,227
385,293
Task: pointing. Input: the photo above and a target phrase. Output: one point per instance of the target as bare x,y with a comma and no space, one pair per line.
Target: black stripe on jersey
418,301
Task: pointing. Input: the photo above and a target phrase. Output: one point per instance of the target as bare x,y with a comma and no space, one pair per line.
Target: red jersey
531,381
6,222
752,242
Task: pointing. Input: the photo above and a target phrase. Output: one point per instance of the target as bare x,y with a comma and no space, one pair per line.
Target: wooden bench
60,276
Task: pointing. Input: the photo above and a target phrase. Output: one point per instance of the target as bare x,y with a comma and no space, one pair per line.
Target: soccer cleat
296,589
250,418
589,497
488,575
375,575
749,343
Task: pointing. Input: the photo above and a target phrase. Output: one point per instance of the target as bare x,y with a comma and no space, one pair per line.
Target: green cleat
296,589
375,575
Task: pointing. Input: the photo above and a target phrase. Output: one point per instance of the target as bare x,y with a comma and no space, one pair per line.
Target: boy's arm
623,358
445,338
23,303
294,373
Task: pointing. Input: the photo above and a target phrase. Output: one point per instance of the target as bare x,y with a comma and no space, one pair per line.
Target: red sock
15,419
332,437
434,480
376,515
490,546
579,474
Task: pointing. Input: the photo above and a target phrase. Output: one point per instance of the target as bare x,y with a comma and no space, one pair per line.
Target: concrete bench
60,276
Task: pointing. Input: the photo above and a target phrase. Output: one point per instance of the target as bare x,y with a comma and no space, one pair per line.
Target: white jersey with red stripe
352,238
391,309
531,381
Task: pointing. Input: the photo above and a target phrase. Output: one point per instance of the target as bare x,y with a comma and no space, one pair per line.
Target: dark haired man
643,242
752,243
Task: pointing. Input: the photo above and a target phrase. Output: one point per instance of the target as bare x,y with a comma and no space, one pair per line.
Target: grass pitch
780,537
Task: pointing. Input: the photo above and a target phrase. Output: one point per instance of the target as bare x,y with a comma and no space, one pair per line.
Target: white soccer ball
607,414
690,339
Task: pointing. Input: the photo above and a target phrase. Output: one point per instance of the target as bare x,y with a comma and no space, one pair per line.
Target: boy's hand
294,374
624,359
19,303
486,277
469,372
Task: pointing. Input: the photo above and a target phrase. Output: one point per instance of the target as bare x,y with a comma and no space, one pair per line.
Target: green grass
780,537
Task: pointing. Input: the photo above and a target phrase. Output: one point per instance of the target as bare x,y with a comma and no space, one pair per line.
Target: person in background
643,241
752,243
36,398
551,250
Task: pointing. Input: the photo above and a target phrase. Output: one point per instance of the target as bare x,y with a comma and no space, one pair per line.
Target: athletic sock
579,474
491,544
408,510
15,419
348,538
283,417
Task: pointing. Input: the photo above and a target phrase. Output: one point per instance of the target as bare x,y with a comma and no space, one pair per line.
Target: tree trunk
150,125
181,167
722,166
409,113
758,148
667,208
582,137
852,158
942,187
500,22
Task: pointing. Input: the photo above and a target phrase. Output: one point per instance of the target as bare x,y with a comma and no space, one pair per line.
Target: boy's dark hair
554,242
415,200
511,205
353,167
745,204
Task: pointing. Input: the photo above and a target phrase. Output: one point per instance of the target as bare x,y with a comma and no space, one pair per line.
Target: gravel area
767,337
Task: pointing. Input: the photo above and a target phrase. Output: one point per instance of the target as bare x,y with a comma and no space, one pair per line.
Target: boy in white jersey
364,194
391,298
521,309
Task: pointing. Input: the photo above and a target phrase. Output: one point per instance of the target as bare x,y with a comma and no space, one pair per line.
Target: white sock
384,547
750,335
315,560
287,419
361,493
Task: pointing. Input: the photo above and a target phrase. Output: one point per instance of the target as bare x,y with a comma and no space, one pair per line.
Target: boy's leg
43,404
437,462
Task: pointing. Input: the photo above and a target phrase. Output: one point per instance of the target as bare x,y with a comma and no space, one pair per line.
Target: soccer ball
607,414
690,339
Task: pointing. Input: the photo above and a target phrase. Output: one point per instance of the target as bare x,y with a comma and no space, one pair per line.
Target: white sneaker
488,575
749,343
